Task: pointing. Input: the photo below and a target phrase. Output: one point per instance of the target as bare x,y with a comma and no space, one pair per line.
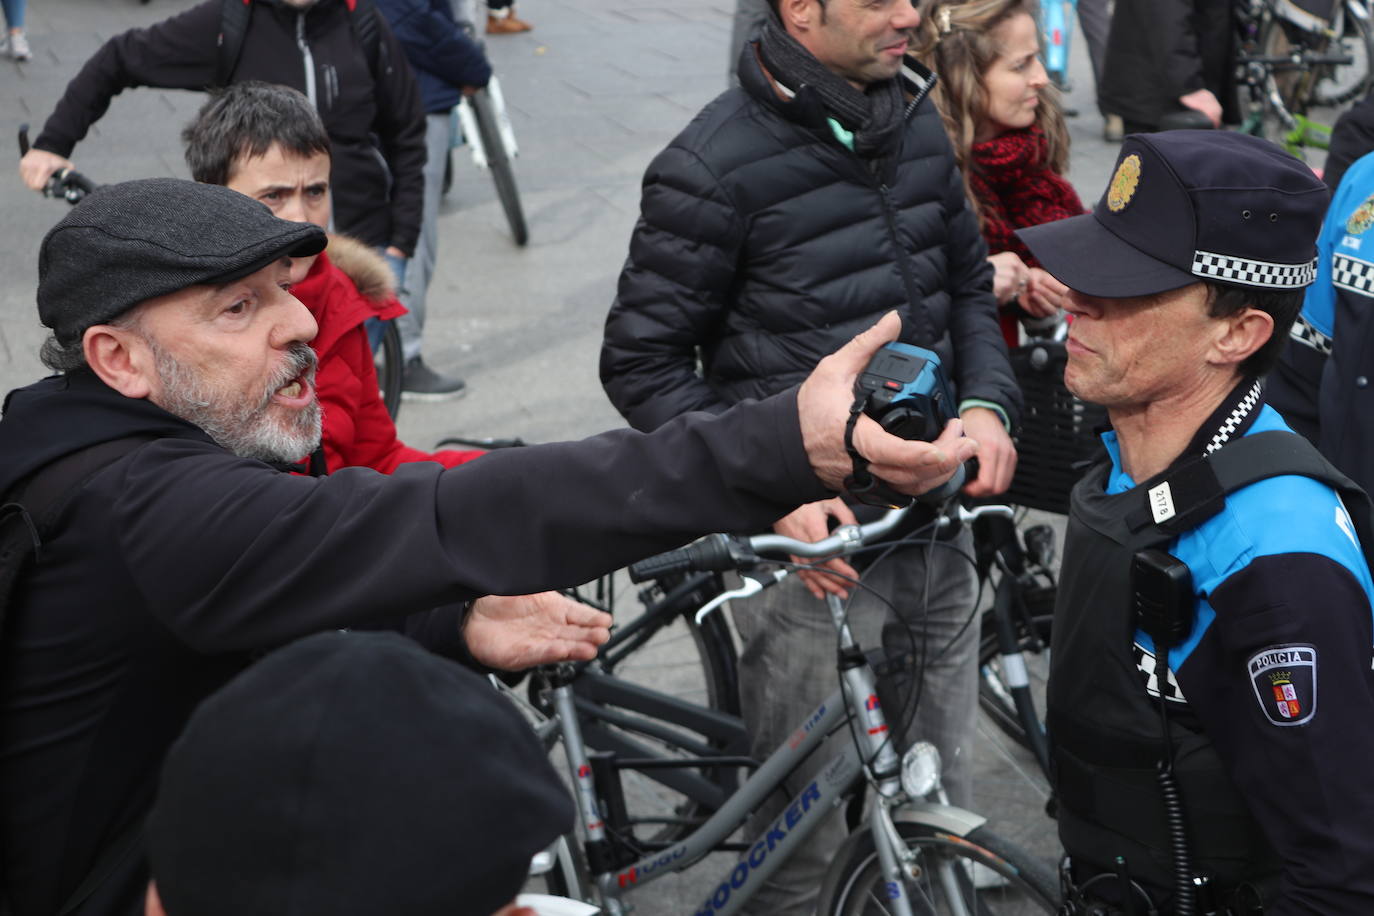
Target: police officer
1322,381
1211,703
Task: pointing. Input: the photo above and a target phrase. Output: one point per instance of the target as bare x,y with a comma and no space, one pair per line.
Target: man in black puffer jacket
367,98
794,210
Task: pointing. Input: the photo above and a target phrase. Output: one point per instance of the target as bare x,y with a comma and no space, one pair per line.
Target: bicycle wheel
390,367
1337,85
994,694
1260,85
940,879
498,160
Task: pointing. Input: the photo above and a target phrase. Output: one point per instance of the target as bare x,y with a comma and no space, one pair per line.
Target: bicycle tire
1338,85
390,368
994,699
498,160
854,884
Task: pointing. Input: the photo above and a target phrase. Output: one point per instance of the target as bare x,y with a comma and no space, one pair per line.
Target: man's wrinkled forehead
204,299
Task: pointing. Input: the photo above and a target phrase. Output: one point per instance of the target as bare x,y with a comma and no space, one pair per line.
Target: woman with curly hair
1004,120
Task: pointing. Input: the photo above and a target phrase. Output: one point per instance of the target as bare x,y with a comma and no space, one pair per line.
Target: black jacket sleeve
673,292
400,126
286,555
177,53
1308,784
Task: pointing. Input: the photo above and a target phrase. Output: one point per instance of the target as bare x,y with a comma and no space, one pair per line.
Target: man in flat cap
170,549
1211,693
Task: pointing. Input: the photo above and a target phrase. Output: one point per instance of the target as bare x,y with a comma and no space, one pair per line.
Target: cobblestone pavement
594,91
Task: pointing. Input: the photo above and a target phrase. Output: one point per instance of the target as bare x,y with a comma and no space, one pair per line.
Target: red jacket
342,294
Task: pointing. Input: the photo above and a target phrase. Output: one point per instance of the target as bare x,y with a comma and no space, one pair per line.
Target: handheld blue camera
910,397
905,391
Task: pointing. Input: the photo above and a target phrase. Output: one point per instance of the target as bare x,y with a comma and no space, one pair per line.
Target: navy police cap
1190,205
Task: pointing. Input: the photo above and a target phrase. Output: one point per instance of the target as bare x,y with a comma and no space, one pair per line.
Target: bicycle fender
945,818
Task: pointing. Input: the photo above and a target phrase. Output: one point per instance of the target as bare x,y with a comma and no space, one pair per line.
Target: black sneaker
421,383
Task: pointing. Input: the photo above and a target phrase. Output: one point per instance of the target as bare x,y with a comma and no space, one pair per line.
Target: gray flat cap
130,242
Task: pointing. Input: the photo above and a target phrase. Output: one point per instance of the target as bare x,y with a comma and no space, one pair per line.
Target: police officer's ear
121,357
1242,334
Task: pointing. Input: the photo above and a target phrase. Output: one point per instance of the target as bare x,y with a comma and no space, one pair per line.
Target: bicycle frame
854,704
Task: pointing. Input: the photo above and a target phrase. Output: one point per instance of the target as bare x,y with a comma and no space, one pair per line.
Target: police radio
904,389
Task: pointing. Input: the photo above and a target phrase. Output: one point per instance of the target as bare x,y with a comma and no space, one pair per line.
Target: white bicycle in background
487,130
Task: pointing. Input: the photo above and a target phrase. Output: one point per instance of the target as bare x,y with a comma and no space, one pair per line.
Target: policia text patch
1285,682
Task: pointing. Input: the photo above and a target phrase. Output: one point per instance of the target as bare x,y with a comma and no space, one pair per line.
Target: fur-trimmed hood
365,267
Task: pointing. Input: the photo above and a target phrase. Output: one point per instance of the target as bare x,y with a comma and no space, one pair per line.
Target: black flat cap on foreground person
181,551
351,773
1183,282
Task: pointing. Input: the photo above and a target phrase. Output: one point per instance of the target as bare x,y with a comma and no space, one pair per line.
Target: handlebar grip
713,553
74,179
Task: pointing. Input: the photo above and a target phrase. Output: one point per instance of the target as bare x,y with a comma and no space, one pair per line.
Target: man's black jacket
376,125
764,244
178,562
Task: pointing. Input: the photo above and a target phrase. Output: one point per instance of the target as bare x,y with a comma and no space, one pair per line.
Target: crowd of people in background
930,140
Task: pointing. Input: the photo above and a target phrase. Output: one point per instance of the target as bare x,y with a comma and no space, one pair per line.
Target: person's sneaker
507,24
1113,128
19,46
421,383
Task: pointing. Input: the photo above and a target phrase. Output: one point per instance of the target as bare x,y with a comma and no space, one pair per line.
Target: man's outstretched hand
824,401
511,633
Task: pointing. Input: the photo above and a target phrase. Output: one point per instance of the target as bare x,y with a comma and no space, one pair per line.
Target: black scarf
875,116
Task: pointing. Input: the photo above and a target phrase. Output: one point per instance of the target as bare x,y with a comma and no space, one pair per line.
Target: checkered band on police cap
1220,206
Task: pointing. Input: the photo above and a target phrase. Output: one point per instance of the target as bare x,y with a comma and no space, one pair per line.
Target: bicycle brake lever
749,586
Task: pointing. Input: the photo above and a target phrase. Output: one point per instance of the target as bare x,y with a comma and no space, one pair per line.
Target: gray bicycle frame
802,816
834,784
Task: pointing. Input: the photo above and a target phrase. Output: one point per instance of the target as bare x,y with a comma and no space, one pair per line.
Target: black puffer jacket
376,126
764,244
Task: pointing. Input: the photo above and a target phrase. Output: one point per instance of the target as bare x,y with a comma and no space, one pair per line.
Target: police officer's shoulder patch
1362,217
1285,682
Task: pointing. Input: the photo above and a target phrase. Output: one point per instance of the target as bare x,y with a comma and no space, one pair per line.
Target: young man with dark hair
267,142
1211,687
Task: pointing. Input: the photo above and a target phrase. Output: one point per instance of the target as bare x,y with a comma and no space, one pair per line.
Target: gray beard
245,429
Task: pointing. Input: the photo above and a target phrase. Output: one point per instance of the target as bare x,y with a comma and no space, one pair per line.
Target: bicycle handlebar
68,184
724,552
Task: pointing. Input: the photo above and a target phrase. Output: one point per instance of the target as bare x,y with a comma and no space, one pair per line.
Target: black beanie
352,774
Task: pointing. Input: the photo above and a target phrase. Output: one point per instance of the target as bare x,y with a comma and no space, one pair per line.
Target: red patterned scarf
1015,189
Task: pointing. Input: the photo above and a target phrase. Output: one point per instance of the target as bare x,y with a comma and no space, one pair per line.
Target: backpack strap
28,513
233,26
30,509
